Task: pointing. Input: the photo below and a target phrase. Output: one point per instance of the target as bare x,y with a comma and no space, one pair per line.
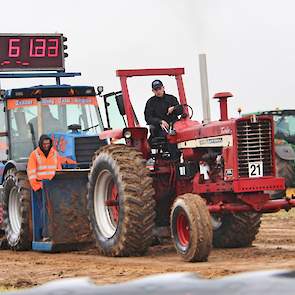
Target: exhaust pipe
204,88
223,96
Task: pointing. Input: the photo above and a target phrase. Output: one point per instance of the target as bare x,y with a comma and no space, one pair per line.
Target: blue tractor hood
77,145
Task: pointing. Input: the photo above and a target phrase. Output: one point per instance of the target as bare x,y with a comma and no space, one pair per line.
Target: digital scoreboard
32,52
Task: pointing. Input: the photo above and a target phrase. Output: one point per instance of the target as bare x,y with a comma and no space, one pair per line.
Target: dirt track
273,248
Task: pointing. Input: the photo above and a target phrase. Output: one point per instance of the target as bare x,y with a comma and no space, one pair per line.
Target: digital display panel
31,52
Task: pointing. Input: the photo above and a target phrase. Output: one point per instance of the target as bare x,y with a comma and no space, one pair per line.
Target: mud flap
60,213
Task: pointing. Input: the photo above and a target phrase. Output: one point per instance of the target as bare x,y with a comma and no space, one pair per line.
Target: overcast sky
250,45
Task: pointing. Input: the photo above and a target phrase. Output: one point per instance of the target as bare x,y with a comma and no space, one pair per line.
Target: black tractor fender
12,164
285,152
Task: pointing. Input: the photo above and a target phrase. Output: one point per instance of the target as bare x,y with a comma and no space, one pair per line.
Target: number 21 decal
255,169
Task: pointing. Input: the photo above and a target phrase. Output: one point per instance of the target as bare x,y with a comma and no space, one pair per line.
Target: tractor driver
161,110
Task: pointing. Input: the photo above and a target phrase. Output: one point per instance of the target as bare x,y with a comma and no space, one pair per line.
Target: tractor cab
69,114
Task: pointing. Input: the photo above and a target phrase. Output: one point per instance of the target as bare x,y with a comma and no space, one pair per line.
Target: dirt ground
273,248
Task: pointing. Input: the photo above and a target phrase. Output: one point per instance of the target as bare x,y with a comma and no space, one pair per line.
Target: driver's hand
164,125
170,110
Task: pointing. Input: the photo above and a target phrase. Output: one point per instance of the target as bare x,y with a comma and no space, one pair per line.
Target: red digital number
37,47
53,49
14,49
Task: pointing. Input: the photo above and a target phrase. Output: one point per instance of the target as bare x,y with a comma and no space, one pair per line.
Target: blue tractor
71,117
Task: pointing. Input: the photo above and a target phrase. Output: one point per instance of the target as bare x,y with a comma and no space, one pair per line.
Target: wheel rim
183,229
216,222
14,209
106,206
114,208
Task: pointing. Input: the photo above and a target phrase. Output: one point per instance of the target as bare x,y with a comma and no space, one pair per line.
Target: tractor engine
211,165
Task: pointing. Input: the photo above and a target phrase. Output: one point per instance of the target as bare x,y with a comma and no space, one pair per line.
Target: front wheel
17,210
191,228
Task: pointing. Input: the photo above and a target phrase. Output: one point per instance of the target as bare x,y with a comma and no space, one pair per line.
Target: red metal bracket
256,201
150,72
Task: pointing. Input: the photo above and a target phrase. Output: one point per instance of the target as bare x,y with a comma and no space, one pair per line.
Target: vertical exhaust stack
204,88
223,96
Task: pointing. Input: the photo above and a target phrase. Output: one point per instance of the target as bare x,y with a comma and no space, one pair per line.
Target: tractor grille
254,145
85,147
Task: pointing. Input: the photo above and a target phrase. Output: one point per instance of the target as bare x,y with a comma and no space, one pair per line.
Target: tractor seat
157,142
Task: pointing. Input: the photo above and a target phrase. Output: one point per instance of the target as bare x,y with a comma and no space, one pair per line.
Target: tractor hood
79,146
187,130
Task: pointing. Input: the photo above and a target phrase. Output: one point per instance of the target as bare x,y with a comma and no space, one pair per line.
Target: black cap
157,84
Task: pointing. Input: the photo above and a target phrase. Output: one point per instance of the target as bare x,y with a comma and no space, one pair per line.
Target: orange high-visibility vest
40,168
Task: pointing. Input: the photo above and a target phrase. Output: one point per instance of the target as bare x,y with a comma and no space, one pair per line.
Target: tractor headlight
127,134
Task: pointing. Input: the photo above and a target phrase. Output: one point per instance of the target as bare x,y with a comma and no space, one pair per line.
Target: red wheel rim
183,229
115,208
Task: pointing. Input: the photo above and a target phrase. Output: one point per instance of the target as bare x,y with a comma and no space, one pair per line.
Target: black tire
236,230
131,233
17,214
286,169
3,241
191,228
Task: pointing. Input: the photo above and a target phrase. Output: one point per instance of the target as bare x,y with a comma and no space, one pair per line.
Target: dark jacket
156,109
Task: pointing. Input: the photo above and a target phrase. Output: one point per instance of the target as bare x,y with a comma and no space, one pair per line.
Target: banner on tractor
27,102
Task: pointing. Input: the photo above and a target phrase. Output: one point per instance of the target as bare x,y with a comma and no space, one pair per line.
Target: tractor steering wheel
191,109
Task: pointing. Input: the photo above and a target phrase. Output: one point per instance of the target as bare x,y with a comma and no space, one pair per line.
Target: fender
137,137
114,134
137,132
285,152
12,164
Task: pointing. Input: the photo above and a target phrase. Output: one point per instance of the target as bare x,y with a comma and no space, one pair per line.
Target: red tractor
213,194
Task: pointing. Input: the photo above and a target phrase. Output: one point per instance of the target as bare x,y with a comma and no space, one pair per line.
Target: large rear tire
17,210
286,169
120,202
3,241
235,230
191,228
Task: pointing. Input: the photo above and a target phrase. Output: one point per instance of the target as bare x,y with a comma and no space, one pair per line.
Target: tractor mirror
99,90
120,104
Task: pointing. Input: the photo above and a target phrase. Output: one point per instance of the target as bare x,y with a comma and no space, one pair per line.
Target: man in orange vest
43,163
